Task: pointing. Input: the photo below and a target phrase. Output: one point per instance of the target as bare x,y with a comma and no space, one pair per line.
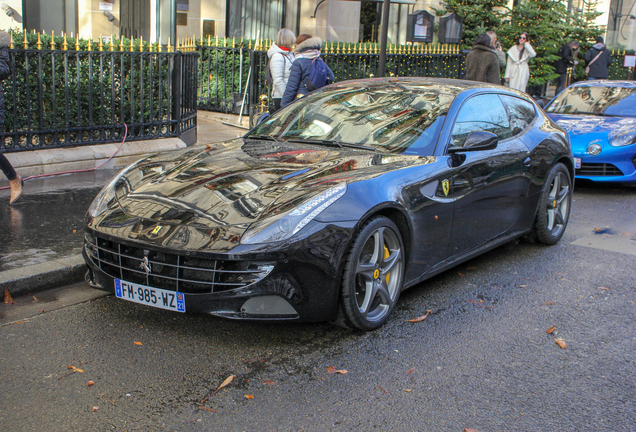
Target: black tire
555,202
372,281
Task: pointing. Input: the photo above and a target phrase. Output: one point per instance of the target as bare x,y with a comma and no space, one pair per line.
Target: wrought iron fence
58,96
228,69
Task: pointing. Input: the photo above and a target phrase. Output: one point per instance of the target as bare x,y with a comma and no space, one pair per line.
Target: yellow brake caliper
386,255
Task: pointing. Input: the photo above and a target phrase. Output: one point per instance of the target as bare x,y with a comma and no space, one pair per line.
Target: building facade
165,21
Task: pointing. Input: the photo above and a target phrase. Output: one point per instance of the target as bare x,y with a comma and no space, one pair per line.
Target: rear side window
522,113
481,113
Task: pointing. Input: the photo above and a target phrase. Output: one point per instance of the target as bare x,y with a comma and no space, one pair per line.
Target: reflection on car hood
236,182
584,129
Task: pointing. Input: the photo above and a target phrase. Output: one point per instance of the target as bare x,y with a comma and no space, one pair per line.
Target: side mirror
477,140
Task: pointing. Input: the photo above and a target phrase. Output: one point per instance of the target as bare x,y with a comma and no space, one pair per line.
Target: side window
522,113
481,113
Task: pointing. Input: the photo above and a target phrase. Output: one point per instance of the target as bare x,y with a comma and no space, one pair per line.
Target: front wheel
554,206
373,275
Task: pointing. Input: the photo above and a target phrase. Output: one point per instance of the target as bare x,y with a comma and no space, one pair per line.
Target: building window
251,19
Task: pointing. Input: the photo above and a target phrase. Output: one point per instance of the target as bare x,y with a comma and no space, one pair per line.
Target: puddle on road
43,227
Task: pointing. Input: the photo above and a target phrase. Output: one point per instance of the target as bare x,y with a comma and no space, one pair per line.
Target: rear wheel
554,206
373,275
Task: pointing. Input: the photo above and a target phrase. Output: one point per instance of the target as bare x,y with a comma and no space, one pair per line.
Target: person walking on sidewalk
297,86
482,63
5,70
598,59
281,59
567,59
517,69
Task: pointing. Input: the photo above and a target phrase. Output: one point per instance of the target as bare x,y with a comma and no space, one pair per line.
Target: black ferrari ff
332,206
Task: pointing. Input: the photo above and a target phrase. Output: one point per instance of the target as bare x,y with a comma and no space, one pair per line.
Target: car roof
605,83
446,85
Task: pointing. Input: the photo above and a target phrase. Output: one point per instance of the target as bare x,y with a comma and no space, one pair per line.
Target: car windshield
592,100
396,118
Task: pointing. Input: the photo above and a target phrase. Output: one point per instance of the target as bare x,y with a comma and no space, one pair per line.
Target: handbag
587,69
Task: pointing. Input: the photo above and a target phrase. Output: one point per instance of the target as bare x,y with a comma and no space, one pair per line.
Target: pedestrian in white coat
280,63
517,70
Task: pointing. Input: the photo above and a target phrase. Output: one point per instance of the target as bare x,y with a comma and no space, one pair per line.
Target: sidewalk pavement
41,236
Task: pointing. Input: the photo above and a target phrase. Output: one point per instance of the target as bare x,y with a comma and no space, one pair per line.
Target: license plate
577,163
155,297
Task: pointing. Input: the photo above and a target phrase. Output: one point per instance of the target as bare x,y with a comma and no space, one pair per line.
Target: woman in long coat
517,70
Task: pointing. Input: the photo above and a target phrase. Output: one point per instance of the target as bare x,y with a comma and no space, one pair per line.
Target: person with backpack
5,71
308,73
280,62
567,59
598,59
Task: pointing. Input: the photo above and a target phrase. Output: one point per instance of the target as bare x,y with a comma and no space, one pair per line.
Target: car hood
585,129
235,183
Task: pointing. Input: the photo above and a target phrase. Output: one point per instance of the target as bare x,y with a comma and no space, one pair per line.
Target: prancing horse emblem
145,265
445,187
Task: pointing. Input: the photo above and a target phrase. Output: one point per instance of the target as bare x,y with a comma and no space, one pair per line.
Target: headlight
281,228
106,195
623,139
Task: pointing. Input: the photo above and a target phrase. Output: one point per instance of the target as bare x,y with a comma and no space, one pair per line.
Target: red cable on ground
78,171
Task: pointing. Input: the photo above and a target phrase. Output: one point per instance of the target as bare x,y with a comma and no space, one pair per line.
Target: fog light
594,149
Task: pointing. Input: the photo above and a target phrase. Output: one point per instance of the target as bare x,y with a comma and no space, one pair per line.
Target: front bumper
300,280
612,165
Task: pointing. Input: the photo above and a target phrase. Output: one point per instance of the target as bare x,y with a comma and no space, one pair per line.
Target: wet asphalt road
482,359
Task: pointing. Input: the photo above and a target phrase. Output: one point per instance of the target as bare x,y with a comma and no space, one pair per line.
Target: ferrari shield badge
445,187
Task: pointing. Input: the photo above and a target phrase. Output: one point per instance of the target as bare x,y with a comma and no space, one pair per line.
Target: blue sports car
600,117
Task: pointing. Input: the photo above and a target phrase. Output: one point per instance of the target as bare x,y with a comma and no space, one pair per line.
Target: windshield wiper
333,143
265,137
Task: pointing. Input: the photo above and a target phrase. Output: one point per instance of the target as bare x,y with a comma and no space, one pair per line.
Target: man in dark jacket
482,63
598,59
567,59
305,53
14,179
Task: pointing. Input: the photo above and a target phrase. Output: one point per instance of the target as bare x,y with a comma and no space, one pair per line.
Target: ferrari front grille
171,271
598,169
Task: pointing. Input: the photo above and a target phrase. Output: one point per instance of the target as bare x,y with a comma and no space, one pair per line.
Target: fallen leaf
249,396
7,297
603,288
411,371
137,343
422,318
73,231
76,369
598,229
461,274
110,400
382,389
205,408
627,234
227,381
35,298
560,342
95,408
270,382
333,370
522,286
470,430
475,301
41,310
407,390
551,330
90,383
561,274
